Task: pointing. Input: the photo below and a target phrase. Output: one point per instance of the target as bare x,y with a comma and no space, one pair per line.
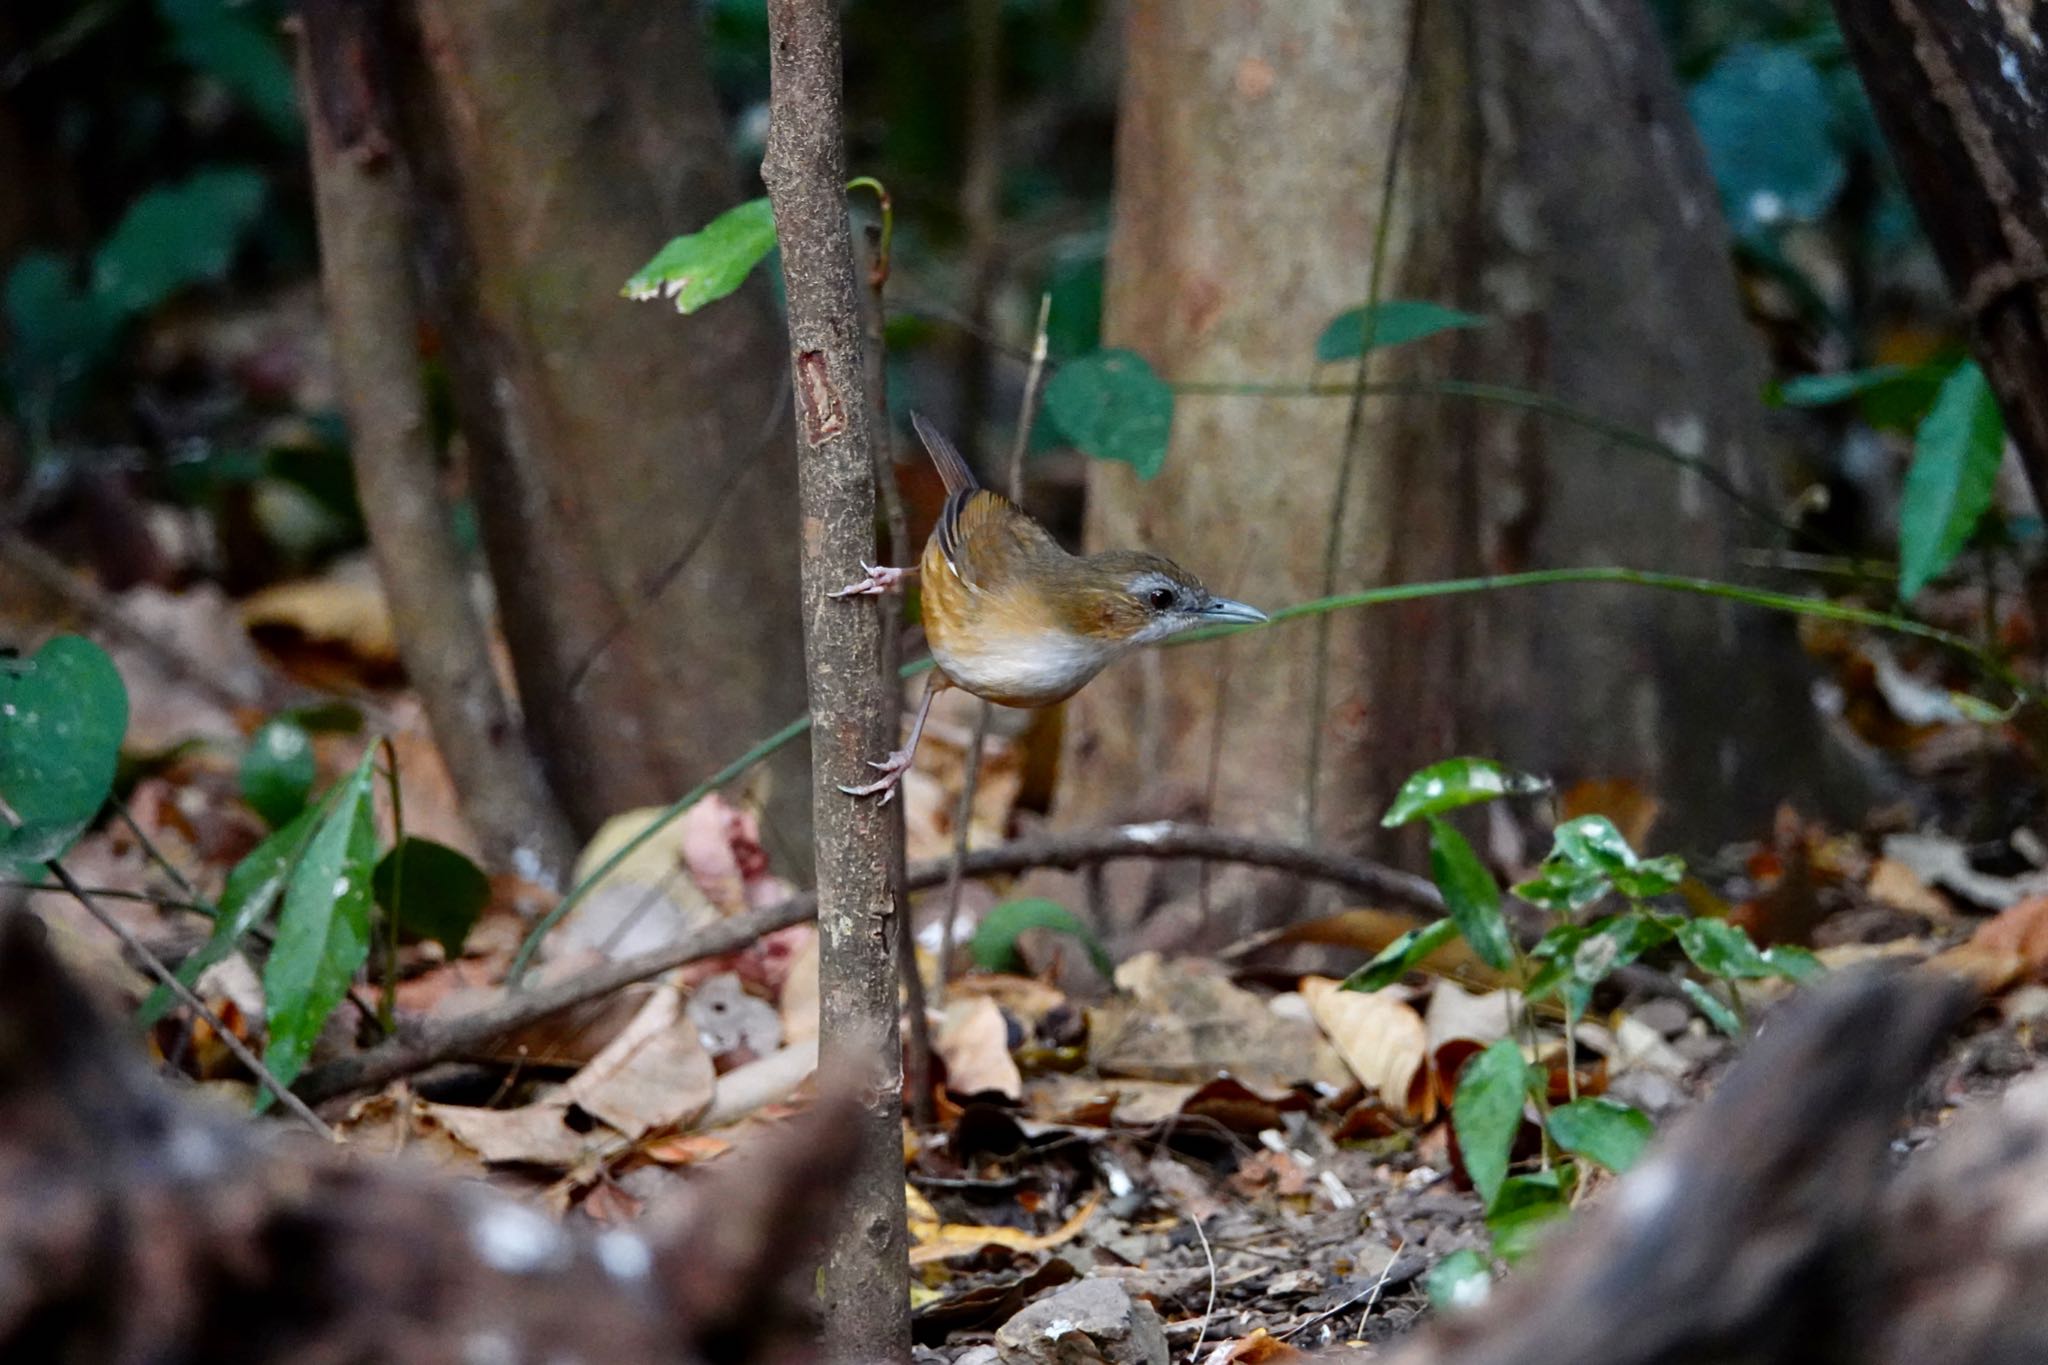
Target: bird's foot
892,769
879,580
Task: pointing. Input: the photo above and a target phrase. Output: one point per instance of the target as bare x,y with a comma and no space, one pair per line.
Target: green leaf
995,939
1461,1280
1527,1208
432,890
1765,119
1456,782
1720,948
1603,1130
1825,390
1402,956
1712,1006
1111,405
323,932
1578,959
1395,321
1980,712
1471,894
238,46
1651,877
278,771
245,902
706,265
1486,1114
60,334
1562,887
1592,842
63,713
1074,326
177,236
1956,455
1793,963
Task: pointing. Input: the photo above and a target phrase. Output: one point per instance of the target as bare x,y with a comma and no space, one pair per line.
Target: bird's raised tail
952,467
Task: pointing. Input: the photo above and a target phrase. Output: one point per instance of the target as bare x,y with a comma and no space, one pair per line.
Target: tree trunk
610,442
1961,92
1549,180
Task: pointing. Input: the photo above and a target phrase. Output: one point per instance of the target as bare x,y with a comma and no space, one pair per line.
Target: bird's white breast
1026,668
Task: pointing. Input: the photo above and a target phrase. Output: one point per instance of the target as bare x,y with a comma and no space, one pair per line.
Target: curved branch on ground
428,1044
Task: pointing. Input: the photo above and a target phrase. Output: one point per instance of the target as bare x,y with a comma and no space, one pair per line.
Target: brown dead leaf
1893,883
2022,929
974,1040
343,613
1383,1040
396,1122
1457,1013
533,1134
655,1074
1260,1348
684,1149
1184,1020
935,1241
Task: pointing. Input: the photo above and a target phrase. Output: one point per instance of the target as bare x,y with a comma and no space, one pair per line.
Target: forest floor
1260,1157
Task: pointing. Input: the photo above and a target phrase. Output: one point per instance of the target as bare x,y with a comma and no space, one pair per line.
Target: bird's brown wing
987,541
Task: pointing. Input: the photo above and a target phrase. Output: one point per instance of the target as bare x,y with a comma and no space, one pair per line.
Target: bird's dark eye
1160,598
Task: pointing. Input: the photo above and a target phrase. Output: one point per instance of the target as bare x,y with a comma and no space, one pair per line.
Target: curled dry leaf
974,1040
1382,1039
655,1074
933,1240
1457,1013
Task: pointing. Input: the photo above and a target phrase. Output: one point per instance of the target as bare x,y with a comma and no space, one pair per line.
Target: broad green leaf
63,713
323,932
1720,948
1651,877
59,334
1825,390
432,890
1712,1006
1765,119
235,45
1459,1281
1562,887
176,236
278,771
1603,1130
1395,321
1111,405
1956,455
706,265
1575,960
1074,326
1402,956
1592,842
1470,893
1526,1209
1486,1114
995,939
1793,963
1456,782
245,902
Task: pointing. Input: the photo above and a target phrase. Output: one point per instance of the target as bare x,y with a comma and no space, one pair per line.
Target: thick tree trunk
1961,91
1550,181
564,143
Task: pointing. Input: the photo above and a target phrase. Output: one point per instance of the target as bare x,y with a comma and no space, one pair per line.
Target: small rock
1668,1017
1093,1320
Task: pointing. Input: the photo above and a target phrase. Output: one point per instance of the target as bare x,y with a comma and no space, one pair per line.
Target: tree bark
1548,180
618,453
365,260
867,1288
1961,93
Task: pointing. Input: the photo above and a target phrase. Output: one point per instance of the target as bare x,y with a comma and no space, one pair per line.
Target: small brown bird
1015,619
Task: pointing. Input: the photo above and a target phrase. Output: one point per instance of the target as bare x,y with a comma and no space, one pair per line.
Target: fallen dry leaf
1185,1020
1382,1039
1457,1013
2022,929
974,1041
1893,883
935,1241
533,1134
655,1074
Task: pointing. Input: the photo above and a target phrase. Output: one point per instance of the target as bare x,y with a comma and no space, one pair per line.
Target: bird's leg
879,580
898,762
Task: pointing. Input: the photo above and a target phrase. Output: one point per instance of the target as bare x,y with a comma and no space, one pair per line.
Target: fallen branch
426,1045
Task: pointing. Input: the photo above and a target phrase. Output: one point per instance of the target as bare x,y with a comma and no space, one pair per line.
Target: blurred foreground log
137,1226
1768,1229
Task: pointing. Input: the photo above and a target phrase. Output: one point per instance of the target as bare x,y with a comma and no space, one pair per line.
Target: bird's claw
892,769
880,578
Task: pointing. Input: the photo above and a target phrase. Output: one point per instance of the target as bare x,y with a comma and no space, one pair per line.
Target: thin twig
970,778
190,1000
443,1040
1208,1254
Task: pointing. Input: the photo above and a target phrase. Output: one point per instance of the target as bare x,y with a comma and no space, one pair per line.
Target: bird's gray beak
1222,609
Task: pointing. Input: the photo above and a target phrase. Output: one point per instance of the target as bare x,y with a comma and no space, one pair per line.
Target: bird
1012,617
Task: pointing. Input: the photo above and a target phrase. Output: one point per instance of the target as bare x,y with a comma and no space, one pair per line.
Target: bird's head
1129,597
